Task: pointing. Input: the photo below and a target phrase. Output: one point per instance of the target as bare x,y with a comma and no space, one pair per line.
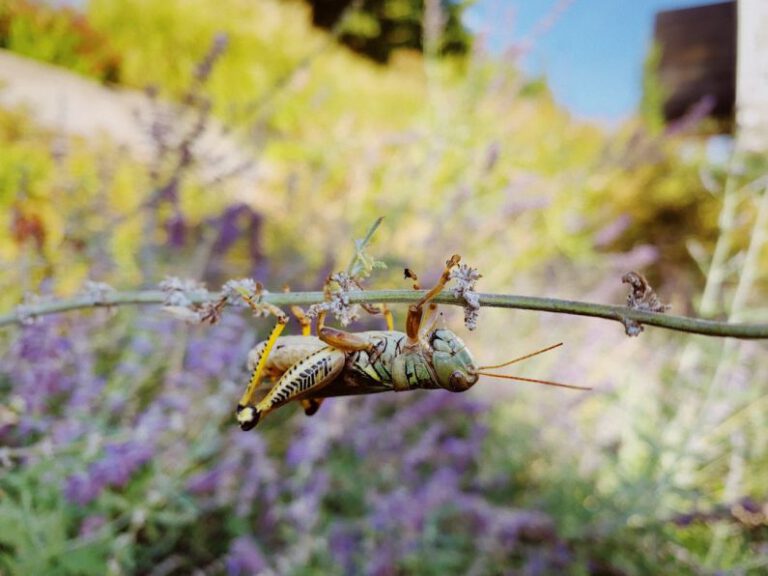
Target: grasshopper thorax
453,364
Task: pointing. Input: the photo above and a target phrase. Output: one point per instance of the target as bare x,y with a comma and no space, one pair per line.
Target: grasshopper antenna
522,379
521,358
545,382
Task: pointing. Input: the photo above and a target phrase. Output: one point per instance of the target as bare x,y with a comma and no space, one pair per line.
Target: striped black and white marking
302,377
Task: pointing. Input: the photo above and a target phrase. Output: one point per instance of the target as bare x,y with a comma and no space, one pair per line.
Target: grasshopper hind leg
299,382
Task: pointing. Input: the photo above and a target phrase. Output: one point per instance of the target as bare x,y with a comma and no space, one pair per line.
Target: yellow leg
246,414
306,323
388,317
310,405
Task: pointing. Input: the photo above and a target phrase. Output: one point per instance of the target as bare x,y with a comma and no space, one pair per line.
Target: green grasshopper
309,369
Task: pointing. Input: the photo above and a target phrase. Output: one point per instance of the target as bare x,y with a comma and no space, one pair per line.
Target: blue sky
593,54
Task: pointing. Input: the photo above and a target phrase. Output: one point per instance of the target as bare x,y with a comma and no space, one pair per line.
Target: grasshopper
309,369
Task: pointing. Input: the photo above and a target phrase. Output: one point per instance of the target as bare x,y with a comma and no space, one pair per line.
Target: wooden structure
752,75
718,53
698,59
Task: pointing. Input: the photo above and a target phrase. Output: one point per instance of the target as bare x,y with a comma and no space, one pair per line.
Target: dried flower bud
338,300
180,292
642,296
466,277
98,291
235,290
25,314
316,309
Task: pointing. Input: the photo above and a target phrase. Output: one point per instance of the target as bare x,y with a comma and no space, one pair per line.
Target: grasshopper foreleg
415,320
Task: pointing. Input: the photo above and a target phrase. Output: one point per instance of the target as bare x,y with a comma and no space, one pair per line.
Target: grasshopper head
453,364
247,417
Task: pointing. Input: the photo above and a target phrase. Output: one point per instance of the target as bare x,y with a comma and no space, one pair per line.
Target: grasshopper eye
458,382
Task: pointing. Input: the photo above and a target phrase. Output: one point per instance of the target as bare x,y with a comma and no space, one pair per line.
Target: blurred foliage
652,99
465,137
270,46
376,28
117,441
57,35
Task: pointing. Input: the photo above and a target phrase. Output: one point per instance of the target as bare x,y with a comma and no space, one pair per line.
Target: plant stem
617,313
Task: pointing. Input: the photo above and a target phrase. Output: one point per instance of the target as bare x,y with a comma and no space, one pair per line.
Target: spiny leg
245,410
413,319
415,311
388,317
343,340
300,315
304,321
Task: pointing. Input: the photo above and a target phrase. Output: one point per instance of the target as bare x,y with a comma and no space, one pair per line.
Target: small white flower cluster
233,291
245,292
339,305
182,291
466,277
97,291
24,311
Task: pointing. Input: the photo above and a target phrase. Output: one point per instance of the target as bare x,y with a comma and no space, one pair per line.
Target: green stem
363,244
617,313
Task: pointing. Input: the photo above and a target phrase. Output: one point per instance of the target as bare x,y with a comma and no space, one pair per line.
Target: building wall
752,75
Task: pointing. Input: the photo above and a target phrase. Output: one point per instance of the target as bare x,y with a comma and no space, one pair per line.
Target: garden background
263,146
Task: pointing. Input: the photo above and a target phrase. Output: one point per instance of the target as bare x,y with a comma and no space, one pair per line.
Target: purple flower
218,352
91,524
81,489
343,543
119,463
205,66
115,469
611,231
383,562
205,482
176,229
41,364
245,558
